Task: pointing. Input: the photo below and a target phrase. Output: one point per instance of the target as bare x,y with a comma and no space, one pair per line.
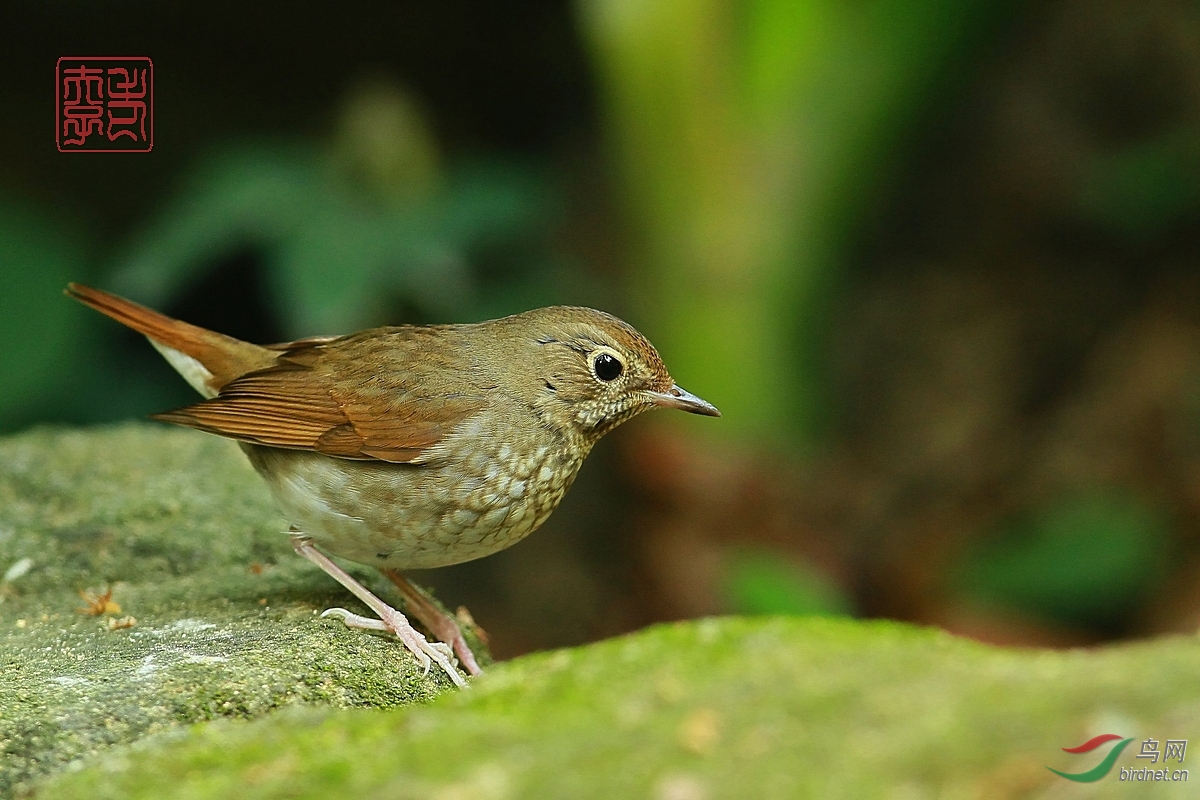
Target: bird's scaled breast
467,503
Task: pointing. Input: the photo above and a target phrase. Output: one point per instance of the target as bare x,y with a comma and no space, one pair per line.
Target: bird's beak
684,401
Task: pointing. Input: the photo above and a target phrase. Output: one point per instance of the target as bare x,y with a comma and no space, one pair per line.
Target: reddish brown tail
223,356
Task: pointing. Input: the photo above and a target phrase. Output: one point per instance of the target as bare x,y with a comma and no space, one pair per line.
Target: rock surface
719,708
181,530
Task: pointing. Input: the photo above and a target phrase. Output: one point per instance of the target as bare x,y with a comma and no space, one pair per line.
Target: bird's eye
608,367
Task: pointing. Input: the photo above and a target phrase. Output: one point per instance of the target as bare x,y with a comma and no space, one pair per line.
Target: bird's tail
206,359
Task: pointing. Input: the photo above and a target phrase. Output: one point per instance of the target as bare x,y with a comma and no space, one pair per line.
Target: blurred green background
935,260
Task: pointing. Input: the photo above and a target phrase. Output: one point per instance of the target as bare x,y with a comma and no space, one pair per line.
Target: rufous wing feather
297,407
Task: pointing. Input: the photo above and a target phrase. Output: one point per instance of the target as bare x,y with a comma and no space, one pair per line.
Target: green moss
716,708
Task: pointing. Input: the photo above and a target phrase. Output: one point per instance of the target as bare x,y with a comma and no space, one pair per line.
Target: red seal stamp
104,104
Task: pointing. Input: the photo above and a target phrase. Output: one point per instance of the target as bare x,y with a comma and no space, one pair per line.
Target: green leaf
1085,559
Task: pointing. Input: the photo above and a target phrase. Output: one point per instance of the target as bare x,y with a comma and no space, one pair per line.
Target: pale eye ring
606,366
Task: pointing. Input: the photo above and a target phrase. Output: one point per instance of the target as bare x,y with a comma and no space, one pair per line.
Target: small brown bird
414,446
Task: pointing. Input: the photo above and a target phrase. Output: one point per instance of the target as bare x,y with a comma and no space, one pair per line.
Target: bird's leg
439,623
392,619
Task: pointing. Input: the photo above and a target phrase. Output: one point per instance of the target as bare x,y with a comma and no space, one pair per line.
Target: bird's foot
391,619
427,652
435,620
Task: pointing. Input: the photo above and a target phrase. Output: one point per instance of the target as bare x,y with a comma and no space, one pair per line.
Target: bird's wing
363,412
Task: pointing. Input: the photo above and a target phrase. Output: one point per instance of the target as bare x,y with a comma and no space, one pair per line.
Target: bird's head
595,371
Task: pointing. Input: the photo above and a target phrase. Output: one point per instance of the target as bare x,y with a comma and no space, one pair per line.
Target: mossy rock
180,528
722,708
764,707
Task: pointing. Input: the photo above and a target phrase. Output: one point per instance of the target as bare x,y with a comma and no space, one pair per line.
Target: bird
414,446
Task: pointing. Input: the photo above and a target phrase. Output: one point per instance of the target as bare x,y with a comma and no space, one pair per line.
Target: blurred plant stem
747,136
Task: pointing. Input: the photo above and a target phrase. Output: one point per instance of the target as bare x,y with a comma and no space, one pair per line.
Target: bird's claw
426,652
444,651
444,656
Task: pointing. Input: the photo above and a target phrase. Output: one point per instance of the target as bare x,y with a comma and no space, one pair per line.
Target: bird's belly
406,516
